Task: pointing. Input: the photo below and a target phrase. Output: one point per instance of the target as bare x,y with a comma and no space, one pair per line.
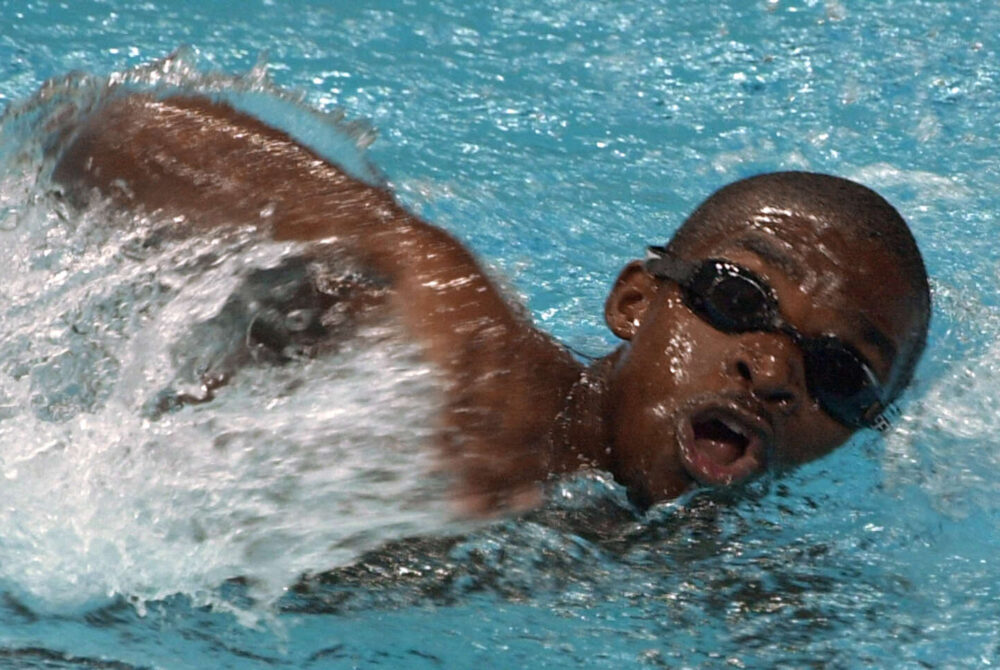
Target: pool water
557,139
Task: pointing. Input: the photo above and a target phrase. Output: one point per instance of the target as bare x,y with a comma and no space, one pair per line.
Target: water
556,139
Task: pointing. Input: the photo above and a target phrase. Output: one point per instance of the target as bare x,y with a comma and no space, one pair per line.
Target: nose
771,368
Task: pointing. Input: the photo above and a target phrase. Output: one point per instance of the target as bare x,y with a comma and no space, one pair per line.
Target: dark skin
520,407
679,368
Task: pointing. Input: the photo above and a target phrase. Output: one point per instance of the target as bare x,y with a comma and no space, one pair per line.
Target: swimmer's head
787,312
861,217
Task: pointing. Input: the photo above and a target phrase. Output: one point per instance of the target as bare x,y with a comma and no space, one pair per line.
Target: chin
657,482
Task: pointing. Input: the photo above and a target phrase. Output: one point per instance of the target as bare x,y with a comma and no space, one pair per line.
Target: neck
581,435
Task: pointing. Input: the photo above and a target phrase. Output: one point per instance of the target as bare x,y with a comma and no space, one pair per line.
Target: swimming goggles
732,299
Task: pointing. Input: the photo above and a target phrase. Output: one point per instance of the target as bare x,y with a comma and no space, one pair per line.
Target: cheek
670,361
677,355
676,349
810,436
646,452
645,427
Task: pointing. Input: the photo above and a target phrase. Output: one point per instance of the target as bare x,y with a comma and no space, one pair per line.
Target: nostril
767,384
779,397
744,370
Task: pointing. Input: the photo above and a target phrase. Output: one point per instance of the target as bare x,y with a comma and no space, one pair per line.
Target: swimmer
786,313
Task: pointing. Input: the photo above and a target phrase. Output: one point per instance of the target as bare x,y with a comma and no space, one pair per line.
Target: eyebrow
771,252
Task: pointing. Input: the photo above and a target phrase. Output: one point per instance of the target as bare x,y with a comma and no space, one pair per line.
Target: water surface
556,139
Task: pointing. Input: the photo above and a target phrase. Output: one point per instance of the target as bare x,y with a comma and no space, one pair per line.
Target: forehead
858,283
824,256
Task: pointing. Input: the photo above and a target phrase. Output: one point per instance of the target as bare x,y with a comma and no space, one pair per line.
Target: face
695,405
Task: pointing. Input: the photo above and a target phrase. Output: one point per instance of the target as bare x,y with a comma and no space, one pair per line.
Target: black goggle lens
841,381
734,300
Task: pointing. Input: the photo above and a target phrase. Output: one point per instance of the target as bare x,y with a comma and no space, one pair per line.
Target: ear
630,297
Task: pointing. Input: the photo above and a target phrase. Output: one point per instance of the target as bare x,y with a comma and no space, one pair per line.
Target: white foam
291,469
946,444
934,187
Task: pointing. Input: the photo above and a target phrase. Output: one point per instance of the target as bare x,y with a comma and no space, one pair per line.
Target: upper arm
208,165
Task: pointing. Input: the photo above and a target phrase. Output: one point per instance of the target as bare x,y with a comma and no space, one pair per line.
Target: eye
731,298
840,376
839,372
739,300
740,297
842,382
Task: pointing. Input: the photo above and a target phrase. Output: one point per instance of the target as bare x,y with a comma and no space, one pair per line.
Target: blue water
557,139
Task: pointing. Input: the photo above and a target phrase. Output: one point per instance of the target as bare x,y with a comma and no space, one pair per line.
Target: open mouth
720,447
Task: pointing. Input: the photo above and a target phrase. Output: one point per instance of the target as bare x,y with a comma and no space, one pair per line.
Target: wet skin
680,403
680,373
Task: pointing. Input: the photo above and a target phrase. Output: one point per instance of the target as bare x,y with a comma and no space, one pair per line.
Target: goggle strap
663,265
883,420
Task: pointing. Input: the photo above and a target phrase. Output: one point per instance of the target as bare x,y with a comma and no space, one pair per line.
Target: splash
290,469
946,447
38,124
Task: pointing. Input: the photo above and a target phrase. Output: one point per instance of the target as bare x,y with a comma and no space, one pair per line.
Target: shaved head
756,208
